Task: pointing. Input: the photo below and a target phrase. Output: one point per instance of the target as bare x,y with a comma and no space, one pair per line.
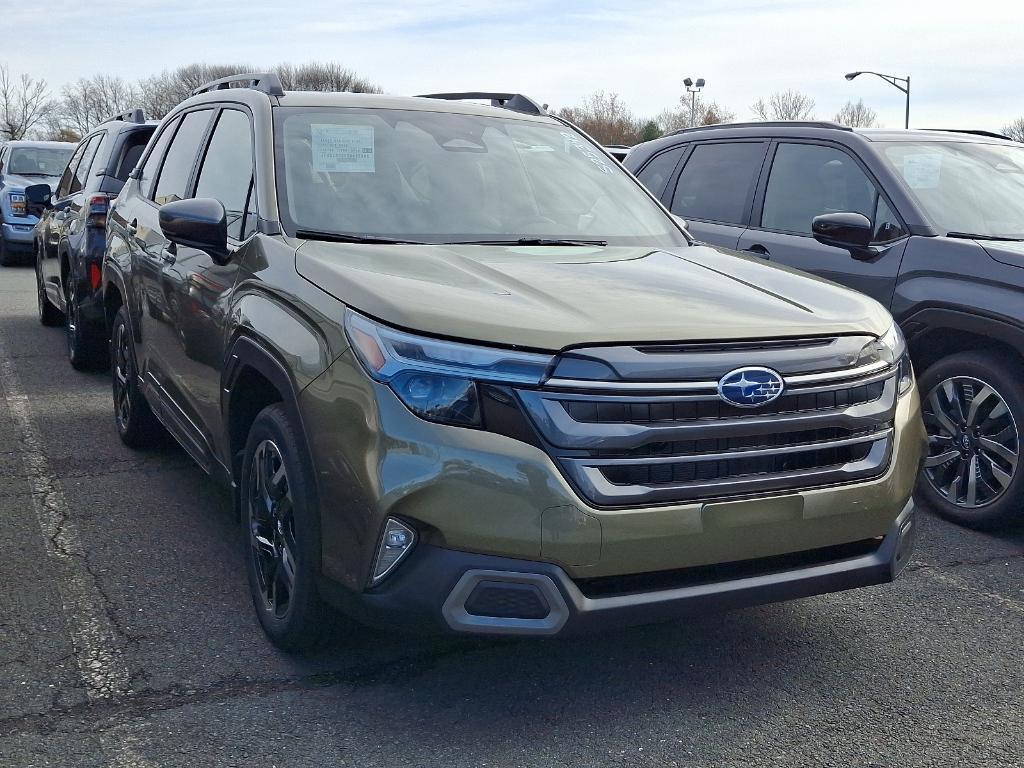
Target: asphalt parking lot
127,638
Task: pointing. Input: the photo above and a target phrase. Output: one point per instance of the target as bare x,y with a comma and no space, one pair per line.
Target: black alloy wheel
272,528
971,414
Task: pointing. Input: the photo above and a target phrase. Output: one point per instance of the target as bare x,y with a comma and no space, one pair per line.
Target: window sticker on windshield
573,142
342,148
922,171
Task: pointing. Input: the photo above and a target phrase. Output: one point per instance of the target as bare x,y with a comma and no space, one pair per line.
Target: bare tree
606,118
159,94
88,101
784,105
704,113
857,115
323,76
1015,130
24,101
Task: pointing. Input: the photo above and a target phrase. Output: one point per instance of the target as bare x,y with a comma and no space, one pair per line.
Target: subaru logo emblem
750,387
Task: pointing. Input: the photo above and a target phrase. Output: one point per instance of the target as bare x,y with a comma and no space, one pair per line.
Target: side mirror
38,197
852,231
197,223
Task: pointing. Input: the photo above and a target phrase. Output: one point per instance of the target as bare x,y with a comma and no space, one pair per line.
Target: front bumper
19,237
442,588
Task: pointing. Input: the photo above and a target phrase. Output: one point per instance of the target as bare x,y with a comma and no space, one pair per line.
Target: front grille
638,441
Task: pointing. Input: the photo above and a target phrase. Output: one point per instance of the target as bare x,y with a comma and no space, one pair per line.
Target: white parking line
98,646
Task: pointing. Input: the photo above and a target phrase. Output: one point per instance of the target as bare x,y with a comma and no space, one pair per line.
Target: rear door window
64,188
717,182
152,165
172,184
81,174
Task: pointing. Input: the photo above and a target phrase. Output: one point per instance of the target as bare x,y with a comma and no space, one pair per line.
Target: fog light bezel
391,525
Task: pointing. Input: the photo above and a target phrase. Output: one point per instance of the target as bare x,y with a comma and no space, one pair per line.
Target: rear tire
973,407
281,533
86,352
136,424
49,315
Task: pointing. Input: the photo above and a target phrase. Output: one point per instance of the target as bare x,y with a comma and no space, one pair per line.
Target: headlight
892,348
437,379
18,207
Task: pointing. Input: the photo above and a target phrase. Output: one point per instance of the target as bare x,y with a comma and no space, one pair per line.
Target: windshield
39,161
965,187
442,177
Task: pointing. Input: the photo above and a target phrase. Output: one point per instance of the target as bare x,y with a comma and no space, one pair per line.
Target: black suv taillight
99,206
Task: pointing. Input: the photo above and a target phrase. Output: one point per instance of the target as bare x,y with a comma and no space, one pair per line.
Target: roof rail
267,82
131,116
766,124
973,132
514,101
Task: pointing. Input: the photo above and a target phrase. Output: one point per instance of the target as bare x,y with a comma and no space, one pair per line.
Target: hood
548,298
14,181
1007,252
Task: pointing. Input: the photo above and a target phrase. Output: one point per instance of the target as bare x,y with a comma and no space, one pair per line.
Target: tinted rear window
717,183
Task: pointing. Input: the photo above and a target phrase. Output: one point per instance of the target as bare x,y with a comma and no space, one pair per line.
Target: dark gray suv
929,223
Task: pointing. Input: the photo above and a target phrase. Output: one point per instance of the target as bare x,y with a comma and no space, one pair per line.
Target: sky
966,61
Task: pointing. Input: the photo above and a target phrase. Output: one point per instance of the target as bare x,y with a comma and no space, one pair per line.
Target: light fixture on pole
693,89
893,81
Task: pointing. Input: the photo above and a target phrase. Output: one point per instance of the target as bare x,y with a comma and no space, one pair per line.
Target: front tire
973,408
281,533
136,424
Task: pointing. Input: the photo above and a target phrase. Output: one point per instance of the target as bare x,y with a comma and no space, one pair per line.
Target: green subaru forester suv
465,374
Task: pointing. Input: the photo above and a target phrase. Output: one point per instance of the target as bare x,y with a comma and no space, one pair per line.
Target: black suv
931,224
70,237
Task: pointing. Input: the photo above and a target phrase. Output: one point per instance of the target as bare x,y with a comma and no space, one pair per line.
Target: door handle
758,250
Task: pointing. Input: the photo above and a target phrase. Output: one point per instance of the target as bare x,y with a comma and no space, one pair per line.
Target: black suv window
227,171
64,188
176,170
81,174
807,180
656,173
152,165
717,182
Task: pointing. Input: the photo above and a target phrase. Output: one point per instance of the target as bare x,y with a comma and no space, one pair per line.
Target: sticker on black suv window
342,148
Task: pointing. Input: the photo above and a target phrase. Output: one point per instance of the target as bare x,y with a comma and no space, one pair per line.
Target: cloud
965,68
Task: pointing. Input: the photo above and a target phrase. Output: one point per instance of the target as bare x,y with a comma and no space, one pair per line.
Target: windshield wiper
972,236
531,241
348,237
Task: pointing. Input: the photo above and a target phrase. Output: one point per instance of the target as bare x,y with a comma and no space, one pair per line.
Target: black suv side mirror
37,197
852,231
197,223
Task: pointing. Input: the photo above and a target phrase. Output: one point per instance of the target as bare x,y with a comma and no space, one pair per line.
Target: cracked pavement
926,672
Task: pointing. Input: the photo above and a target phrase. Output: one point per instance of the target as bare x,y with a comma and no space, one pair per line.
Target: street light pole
894,82
693,89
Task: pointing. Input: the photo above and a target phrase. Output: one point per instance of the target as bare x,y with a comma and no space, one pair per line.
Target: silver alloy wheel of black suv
973,442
